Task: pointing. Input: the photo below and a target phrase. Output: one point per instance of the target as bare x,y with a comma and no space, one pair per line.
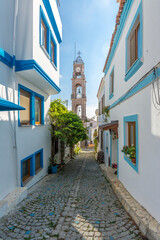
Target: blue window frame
53,51
111,84
134,45
44,32
31,113
126,120
46,39
28,166
38,160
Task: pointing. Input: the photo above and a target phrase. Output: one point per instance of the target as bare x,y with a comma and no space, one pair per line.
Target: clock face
78,69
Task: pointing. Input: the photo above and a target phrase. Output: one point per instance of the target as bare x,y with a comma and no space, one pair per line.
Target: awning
6,105
110,126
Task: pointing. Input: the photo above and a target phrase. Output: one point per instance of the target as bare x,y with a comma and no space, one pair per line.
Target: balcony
33,62
101,118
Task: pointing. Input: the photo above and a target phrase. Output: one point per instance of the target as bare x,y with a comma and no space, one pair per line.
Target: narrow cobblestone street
78,203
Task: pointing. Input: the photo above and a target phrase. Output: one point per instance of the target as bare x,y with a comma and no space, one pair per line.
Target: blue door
107,148
107,143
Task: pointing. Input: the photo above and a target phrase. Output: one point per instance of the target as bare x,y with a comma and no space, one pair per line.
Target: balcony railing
101,118
73,96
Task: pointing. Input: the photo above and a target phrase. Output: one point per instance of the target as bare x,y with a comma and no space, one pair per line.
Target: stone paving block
65,195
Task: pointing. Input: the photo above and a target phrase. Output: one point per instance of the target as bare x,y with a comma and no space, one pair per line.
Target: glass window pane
37,110
131,134
112,83
52,51
26,169
38,161
43,35
25,102
138,41
132,49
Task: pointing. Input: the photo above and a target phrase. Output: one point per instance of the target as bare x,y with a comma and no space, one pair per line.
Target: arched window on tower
79,110
79,92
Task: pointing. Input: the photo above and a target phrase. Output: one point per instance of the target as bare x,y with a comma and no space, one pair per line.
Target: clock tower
78,96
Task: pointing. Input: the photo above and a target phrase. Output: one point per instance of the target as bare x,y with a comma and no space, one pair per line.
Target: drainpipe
14,95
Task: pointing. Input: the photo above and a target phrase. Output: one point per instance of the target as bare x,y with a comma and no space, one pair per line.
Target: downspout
14,95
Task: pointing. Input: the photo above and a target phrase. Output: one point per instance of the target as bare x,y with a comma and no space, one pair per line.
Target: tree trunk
71,151
52,149
62,151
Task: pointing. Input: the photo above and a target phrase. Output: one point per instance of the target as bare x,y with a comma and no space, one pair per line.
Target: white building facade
132,72
31,32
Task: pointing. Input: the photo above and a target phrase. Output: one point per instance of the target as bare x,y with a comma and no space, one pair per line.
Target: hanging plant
106,111
115,136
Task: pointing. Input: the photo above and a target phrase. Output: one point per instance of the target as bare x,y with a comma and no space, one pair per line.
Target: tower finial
79,53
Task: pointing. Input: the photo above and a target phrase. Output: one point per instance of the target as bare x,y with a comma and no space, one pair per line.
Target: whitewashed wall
144,185
20,142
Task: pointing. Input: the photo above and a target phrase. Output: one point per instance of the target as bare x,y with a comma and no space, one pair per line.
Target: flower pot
133,160
49,170
54,169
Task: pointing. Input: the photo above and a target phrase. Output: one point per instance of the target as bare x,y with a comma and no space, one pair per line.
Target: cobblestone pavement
75,204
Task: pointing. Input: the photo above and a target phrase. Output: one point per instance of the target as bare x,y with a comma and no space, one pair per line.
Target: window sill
111,96
38,170
133,69
129,161
45,51
36,125
27,181
54,65
25,126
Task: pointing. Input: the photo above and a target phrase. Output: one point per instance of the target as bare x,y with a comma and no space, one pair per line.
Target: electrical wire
156,90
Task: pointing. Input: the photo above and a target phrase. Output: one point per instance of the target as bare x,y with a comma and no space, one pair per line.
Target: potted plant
54,165
133,154
50,167
125,150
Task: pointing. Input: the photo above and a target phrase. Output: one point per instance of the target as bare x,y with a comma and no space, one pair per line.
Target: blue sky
90,24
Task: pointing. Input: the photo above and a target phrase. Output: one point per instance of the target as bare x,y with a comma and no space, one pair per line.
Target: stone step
11,200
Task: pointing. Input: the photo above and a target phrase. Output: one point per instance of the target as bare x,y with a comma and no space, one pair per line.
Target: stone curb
11,200
149,227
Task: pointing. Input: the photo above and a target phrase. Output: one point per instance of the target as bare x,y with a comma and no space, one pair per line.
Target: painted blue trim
123,19
132,118
111,94
6,105
55,52
43,17
144,83
52,20
32,64
32,163
6,58
21,65
134,68
118,158
31,167
32,109
111,149
32,104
